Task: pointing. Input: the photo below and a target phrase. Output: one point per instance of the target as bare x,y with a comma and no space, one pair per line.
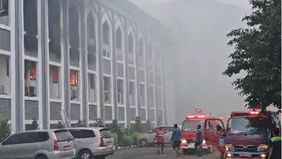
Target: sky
193,69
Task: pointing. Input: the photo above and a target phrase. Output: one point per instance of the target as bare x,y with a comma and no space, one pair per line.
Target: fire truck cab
188,132
246,136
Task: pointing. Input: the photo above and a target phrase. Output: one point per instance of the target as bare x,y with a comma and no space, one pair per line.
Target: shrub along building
80,60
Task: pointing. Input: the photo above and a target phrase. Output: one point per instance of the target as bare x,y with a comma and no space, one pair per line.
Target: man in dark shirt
275,145
176,138
199,140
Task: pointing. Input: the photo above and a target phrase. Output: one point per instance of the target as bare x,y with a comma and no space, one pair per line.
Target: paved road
150,153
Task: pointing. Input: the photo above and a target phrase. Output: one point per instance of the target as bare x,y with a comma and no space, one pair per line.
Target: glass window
54,30
92,88
91,43
30,76
107,89
82,133
248,125
130,44
74,85
131,73
106,133
54,82
120,70
121,114
108,113
118,39
5,78
141,53
132,101
30,28
63,135
120,91
151,96
141,94
74,36
107,66
4,12
106,33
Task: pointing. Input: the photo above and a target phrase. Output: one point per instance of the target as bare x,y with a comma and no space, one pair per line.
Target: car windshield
247,125
191,124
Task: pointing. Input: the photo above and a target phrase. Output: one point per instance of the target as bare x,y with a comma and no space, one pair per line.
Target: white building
90,58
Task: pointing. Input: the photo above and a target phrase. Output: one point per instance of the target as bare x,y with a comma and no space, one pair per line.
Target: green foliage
34,124
81,123
114,126
125,140
4,129
99,123
148,125
137,125
257,55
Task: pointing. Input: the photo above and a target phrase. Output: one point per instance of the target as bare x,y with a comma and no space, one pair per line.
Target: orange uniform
160,136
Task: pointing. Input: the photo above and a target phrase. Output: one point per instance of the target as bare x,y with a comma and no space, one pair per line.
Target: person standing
159,137
199,140
176,139
275,145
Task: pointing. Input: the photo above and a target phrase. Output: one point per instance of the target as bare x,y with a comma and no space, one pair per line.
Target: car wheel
143,142
41,157
85,154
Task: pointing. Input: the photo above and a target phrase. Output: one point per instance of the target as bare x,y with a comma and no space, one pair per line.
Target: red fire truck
188,132
246,135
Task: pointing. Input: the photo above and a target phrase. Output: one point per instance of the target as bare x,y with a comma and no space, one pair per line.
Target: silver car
39,144
92,142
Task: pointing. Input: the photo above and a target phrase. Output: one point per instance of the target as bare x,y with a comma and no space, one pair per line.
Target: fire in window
73,78
55,73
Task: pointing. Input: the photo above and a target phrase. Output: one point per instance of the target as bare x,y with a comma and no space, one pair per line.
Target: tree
99,123
4,129
257,55
81,123
137,125
114,126
34,124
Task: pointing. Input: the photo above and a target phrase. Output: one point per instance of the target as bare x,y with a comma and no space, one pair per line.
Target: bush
125,140
4,129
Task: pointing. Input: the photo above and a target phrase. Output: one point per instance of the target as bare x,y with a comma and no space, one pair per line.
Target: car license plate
245,155
191,145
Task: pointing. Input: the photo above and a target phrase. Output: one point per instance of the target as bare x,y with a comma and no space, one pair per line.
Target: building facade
78,60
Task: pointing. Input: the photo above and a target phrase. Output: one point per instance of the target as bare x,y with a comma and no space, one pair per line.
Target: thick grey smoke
198,29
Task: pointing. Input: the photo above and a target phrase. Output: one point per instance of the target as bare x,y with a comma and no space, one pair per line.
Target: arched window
118,38
91,42
130,43
106,33
91,27
141,47
54,30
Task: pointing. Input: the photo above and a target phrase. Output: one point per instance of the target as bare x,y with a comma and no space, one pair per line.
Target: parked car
147,138
92,142
39,144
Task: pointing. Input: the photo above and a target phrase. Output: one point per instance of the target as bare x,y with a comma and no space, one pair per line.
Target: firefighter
199,140
275,145
159,138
